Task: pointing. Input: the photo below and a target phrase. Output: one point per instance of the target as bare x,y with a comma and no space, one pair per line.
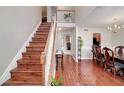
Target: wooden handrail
45,50
42,59
48,39
44,54
53,63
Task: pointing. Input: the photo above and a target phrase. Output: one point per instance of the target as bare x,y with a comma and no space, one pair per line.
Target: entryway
97,39
66,44
44,13
66,40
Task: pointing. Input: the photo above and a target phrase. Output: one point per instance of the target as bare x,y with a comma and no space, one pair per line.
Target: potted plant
81,43
68,17
56,82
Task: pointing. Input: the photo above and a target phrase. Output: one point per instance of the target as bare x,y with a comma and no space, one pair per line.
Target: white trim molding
13,64
86,58
74,58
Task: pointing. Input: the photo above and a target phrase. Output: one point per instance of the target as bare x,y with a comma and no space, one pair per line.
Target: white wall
118,38
73,51
87,37
82,13
16,25
65,8
49,13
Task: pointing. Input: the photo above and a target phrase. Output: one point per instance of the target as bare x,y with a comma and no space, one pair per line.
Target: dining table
59,55
119,59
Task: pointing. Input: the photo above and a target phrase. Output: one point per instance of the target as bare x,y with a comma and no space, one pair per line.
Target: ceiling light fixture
59,29
115,28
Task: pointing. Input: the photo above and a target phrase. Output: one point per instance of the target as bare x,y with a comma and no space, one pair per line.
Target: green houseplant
68,16
56,82
81,43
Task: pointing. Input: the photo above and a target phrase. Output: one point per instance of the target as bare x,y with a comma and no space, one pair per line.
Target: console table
59,57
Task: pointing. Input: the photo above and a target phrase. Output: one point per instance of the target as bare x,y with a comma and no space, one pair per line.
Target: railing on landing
46,57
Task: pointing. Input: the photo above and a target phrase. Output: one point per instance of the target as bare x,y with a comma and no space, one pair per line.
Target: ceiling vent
86,29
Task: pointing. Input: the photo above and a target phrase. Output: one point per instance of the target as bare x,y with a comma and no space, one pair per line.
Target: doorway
67,44
97,39
44,14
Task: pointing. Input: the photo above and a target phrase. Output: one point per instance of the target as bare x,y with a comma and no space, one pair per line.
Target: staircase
29,69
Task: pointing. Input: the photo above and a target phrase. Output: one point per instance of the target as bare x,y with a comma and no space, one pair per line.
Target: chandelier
114,27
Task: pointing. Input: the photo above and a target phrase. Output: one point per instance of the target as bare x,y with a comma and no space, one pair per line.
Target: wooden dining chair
99,57
110,63
119,50
94,51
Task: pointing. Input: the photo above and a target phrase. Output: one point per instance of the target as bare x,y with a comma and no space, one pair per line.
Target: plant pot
68,19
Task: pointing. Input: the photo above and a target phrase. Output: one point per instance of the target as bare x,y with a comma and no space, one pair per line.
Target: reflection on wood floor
86,73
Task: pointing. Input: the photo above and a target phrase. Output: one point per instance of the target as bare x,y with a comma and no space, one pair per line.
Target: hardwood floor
86,73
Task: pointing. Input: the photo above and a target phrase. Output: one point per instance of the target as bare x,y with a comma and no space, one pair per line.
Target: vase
68,19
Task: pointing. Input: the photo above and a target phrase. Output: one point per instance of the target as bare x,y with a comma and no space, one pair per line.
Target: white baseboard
90,58
13,64
74,59
86,58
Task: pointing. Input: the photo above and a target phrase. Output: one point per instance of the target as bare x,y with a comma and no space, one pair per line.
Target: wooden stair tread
31,53
26,60
35,49
35,46
22,83
37,42
30,63
38,35
30,66
43,31
40,38
36,39
25,70
31,57
44,38
41,34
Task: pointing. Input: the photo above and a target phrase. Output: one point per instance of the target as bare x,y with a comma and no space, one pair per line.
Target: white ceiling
65,8
100,16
